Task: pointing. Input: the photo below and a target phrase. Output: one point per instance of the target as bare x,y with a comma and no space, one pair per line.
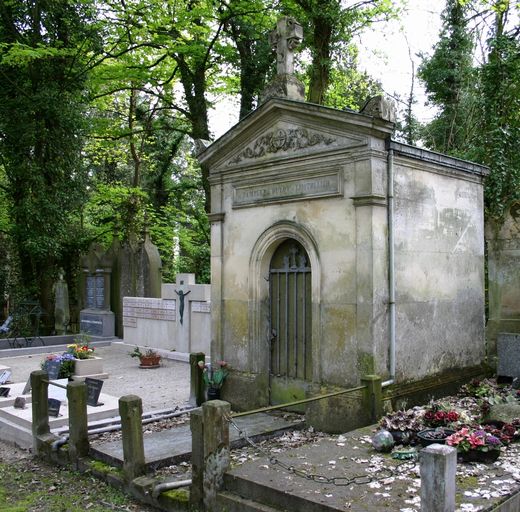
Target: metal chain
339,481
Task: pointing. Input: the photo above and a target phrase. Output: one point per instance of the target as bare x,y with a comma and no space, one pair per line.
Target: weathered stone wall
503,244
439,259
319,176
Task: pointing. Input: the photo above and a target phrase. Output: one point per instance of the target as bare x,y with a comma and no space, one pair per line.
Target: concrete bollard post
438,470
40,408
372,396
196,380
216,450
197,460
131,411
78,422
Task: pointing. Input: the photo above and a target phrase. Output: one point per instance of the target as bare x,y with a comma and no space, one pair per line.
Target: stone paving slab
174,445
349,457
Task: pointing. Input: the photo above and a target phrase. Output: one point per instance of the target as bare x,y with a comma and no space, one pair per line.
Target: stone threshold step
234,503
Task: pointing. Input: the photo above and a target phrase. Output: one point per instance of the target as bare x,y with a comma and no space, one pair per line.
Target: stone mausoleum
338,252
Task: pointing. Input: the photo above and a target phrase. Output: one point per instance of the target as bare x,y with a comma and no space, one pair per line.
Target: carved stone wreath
291,139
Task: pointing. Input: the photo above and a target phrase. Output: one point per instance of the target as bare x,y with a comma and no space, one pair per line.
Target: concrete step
229,502
270,496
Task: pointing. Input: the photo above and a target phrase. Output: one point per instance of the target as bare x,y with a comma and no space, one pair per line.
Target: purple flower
493,441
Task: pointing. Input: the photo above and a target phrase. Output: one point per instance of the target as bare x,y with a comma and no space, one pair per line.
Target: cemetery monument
338,252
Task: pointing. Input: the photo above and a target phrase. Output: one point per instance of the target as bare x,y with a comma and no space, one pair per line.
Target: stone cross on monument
287,35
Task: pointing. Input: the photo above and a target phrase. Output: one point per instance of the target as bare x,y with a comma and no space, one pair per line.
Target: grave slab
23,417
174,445
15,390
508,349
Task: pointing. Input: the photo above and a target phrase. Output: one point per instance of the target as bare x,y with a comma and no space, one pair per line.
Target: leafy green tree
450,80
44,51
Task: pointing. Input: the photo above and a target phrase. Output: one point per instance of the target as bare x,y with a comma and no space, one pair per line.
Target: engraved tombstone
96,318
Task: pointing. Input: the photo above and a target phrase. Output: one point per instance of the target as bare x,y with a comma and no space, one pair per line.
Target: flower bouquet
214,377
80,351
66,364
475,444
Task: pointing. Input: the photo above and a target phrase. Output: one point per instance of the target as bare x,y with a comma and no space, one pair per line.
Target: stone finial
287,35
381,107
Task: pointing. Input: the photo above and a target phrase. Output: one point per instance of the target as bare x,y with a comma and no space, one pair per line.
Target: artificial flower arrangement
80,351
214,377
477,439
434,416
66,361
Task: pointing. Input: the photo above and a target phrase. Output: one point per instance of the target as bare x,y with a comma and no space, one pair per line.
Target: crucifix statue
284,39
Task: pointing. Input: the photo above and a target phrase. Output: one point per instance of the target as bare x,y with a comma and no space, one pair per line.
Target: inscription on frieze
282,140
288,190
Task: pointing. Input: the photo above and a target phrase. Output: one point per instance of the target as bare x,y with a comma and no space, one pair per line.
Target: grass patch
32,485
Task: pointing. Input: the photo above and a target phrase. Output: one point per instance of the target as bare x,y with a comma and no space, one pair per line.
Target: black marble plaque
100,292
54,407
93,391
53,369
91,324
91,292
4,392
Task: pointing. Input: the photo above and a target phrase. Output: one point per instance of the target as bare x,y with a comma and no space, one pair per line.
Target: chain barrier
339,481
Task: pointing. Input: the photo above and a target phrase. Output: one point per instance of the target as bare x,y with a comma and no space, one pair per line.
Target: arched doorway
290,322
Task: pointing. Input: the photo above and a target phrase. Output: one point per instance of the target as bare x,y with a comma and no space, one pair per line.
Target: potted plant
214,377
436,435
475,444
403,425
150,358
85,362
435,416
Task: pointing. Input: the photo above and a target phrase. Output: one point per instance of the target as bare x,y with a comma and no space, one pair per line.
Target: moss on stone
366,363
103,468
181,495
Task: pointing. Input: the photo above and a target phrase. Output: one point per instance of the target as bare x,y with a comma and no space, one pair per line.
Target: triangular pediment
285,130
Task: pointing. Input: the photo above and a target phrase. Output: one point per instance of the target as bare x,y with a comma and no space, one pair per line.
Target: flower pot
90,366
213,394
426,436
402,436
479,456
149,361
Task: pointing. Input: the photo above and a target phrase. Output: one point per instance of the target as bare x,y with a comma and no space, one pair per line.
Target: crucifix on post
287,35
191,299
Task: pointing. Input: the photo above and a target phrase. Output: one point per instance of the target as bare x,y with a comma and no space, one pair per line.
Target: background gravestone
96,318
508,348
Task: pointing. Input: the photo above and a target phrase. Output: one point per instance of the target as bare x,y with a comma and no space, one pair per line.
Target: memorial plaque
91,324
54,407
200,307
100,292
4,392
91,292
93,391
53,369
5,376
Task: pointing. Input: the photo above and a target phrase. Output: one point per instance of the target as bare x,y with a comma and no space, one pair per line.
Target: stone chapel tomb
337,252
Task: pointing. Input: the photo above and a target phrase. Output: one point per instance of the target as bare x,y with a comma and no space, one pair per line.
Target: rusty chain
339,481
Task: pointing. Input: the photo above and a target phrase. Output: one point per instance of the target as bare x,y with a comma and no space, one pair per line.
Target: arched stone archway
268,253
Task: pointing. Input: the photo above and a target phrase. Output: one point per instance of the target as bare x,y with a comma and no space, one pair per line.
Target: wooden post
131,411
78,423
216,450
438,471
197,460
40,409
196,380
372,397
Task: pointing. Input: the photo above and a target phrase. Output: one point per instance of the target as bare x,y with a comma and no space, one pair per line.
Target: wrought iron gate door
290,322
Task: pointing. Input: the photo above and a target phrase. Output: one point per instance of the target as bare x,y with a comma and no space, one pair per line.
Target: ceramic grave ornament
383,441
